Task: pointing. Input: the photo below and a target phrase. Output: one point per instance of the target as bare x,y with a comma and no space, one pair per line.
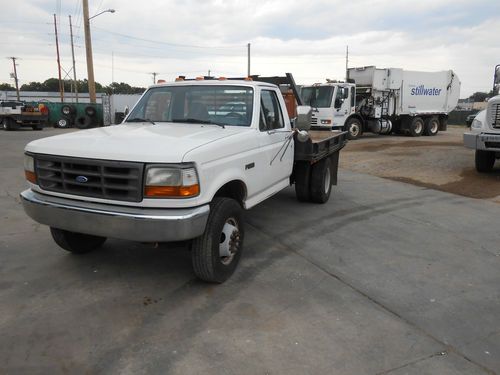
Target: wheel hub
229,241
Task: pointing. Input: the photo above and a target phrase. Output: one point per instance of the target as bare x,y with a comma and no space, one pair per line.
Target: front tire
76,243
485,160
321,181
354,127
216,253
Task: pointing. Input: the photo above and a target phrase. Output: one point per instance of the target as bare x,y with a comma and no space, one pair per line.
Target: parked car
470,118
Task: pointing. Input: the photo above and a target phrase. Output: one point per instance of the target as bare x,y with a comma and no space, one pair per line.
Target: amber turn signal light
30,176
172,191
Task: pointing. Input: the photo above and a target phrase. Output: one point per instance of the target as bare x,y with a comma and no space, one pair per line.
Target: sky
306,38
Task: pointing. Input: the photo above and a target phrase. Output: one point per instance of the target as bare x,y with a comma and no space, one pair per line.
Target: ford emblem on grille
81,179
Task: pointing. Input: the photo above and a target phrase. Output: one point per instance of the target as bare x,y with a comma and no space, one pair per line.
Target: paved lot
386,278
441,162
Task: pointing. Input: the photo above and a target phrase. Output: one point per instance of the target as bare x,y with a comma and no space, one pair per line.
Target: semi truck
384,101
188,159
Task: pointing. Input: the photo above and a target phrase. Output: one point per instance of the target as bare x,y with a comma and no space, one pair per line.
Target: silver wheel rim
434,127
418,127
62,123
354,129
327,180
229,241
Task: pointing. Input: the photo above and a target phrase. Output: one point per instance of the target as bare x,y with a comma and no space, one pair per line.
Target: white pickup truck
484,136
180,167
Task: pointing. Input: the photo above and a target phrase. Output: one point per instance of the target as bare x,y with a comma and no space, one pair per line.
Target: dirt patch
440,163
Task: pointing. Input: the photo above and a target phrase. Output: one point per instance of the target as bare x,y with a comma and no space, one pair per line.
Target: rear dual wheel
431,127
313,182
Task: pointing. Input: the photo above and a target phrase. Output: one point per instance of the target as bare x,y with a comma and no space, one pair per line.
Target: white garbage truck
484,135
384,101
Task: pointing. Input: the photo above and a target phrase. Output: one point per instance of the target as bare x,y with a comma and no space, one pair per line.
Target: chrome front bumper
128,223
482,141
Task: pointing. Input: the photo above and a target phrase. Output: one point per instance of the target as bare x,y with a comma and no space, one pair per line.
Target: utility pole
88,50
73,55
154,76
346,63
61,86
209,72
15,76
248,55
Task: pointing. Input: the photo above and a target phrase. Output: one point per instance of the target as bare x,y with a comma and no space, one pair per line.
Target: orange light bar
172,191
248,79
30,176
222,78
200,78
179,79
161,81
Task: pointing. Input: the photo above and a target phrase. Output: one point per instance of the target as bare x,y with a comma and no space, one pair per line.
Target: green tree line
52,84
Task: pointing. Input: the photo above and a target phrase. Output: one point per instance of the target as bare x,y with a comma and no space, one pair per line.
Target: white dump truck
188,159
384,101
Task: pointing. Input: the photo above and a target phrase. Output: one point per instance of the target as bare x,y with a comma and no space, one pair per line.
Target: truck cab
484,136
332,103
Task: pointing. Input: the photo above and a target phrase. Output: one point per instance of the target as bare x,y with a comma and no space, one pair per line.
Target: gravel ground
441,162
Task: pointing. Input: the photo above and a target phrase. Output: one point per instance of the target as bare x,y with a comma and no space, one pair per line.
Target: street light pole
88,47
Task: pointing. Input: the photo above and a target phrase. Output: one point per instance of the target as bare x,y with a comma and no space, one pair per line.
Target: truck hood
142,142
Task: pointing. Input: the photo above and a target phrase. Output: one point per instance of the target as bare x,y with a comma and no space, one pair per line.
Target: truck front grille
495,115
115,180
314,121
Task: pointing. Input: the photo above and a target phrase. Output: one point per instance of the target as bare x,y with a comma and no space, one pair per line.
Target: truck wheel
67,110
485,160
63,122
216,253
431,126
302,181
10,124
416,127
354,127
83,122
77,243
6,123
321,181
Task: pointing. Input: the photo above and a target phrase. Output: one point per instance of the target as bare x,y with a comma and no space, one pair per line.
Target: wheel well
357,117
235,189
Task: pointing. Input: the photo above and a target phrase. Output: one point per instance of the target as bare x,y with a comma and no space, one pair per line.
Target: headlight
326,122
29,168
171,182
476,124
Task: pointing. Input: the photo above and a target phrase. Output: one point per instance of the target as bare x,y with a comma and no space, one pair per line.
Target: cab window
270,111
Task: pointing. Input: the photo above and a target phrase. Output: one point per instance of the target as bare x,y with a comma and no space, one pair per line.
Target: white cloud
307,39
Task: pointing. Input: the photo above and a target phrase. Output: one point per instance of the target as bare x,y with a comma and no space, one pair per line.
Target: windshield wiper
197,121
138,119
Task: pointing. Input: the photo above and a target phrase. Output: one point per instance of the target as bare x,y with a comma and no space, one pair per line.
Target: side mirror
303,120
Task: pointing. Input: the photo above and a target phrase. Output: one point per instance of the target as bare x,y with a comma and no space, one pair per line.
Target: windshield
317,96
219,105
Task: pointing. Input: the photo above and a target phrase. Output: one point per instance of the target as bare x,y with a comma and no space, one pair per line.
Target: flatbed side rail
313,151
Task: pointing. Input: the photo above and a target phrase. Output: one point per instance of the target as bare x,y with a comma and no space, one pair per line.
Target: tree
481,96
6,87
123,88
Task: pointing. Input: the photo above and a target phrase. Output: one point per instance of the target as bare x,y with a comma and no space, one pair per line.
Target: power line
168,43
